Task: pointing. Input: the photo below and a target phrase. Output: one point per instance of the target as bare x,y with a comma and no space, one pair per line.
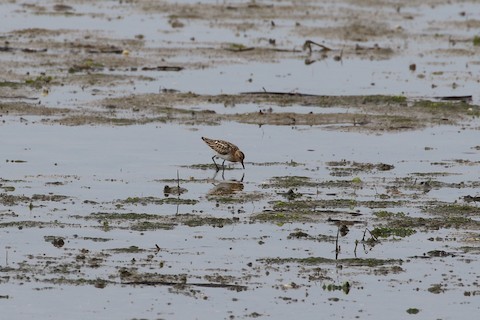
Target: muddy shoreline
359,121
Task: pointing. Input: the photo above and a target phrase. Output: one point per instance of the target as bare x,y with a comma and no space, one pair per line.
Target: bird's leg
216,166
223,165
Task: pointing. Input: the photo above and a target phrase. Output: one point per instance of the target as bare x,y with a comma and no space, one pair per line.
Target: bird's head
240,156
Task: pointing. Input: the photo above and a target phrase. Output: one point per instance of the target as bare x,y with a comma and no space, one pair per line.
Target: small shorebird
226,151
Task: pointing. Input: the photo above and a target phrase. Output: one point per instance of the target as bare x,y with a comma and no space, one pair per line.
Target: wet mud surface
359,121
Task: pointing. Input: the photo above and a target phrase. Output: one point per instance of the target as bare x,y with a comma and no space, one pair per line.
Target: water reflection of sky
435,75
137,155
107,163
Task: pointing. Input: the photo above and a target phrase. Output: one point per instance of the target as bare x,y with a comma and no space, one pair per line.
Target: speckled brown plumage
225,150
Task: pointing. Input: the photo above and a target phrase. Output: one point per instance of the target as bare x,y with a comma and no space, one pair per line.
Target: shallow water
106,168
437,74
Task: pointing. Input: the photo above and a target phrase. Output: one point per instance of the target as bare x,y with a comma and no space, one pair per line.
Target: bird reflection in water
225,187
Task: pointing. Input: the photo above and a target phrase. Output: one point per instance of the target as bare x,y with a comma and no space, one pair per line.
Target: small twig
178,197
340,56
364,232
337,247
308,46
178,181
163,68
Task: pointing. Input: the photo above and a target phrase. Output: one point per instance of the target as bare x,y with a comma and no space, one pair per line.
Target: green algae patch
290,163
386,232
11,84
232,194
402,225
133,221
279,217
476,41
157,201
436,288
147,222
446,107
385,99
40,81
348,168
453,209
131,249
122,216
413,310
313,210
353,262
86,65
11,200
389,215
34,224
49,197
91,119
98,283
420,112
133,276
237,47
196,221
149,225
436,223
302,205
300,235
180,201
290,182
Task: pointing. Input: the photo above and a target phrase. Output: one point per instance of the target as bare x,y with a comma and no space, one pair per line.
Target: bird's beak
243,165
